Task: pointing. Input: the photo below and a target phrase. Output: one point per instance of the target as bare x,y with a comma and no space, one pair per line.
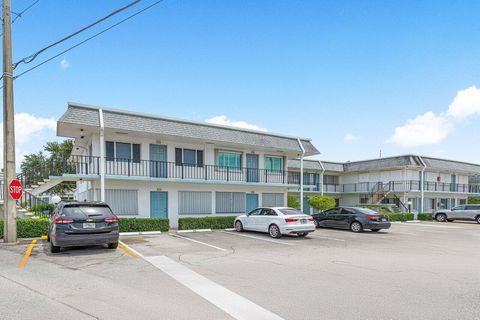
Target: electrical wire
19,15
33,56
88,39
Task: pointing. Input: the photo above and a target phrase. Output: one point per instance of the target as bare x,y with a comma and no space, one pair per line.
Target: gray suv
468,212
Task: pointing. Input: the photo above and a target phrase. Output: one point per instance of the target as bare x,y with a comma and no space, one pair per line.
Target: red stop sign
15,189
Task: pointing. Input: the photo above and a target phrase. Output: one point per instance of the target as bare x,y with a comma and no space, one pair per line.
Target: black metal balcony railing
90,165
398,186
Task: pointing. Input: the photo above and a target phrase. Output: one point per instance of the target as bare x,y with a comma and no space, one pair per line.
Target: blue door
252,168
158,161
306,205
251,202
158,204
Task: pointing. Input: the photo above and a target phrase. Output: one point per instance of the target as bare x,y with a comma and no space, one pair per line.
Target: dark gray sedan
355,219
77,224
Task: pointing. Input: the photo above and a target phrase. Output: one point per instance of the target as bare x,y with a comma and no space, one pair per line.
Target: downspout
102,155
321,177
301,173
422,178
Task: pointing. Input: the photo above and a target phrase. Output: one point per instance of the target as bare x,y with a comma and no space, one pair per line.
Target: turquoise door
158,161
252,168
306,205
158,204
251,202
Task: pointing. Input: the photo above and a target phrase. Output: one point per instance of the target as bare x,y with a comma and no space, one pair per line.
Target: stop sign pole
9,204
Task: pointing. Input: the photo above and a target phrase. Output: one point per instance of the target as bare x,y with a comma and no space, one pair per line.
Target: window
122,151
188,157
472,207
255,212
269,212
229,159
273,163
273,199
194,202
328,179
230,202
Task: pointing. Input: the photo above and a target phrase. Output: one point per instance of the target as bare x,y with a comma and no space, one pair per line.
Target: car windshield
290,211
366,211
83,210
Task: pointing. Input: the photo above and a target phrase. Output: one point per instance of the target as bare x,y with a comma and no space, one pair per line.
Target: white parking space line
427,225
258,238
233,304
326,238
200,242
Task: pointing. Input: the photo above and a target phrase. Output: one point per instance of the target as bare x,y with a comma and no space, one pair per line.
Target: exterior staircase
381,191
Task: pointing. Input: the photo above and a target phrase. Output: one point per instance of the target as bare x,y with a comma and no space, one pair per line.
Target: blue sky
355,76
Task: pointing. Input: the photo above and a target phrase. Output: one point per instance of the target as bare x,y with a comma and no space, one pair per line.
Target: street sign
15,189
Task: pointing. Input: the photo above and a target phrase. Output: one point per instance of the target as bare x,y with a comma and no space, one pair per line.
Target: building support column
422,187
102,156
321,177
301,173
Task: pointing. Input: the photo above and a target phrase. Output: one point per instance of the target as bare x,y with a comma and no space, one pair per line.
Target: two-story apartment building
151,166
400,180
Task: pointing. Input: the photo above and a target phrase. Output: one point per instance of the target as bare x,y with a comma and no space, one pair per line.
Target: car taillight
373,217
111,219
311,218
61,220
290,220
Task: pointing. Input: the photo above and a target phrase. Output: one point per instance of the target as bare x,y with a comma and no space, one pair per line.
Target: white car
277,221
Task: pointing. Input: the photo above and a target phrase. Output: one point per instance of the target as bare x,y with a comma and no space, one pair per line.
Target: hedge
142,224
206,223
400,216
32,228
425,216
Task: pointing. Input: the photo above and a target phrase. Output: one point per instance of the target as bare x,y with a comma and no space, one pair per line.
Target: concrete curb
230,229
409,221
194,230
142,233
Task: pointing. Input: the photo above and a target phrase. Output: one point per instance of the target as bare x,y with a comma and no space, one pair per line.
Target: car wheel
113,245
48,237
375,230
302,234
441,217
356,226
238,226
274,231
478,219
315,222
53,248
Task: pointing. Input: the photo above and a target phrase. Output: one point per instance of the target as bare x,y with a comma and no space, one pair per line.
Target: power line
32,57
88,39
19,15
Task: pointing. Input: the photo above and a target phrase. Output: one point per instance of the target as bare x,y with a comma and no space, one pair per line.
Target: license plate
303,221
89,225
384,219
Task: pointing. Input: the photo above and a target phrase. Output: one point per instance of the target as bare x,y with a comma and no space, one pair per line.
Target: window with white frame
189,157
229,159
273,163
122,151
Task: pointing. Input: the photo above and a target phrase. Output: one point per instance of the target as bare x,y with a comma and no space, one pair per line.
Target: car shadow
77,251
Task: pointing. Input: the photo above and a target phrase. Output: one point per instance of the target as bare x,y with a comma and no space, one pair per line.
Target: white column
102,156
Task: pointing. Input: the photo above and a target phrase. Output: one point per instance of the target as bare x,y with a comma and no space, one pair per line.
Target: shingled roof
309,164
86,115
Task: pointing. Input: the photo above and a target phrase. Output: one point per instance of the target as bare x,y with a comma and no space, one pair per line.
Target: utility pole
9,205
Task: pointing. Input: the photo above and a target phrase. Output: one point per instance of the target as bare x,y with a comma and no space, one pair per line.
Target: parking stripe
258,238
326,238
127,250
24,260
199,242
233,304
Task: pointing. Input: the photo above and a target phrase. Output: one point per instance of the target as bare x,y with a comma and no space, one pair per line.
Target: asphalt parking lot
412,271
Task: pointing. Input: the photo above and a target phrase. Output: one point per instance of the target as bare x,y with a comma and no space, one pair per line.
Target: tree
293,202
322,203
52,160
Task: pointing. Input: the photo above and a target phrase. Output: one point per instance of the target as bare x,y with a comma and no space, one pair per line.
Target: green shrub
322,203
142,224
400,216
474,200
1,229
293,202
31,228
425,216
222,222
42,207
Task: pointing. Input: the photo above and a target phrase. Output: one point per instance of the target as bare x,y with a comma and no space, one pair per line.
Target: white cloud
465,103
64,64
425,129
31,133
349,137
222,120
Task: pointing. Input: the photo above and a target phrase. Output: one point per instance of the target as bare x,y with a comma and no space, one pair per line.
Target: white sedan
276,221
